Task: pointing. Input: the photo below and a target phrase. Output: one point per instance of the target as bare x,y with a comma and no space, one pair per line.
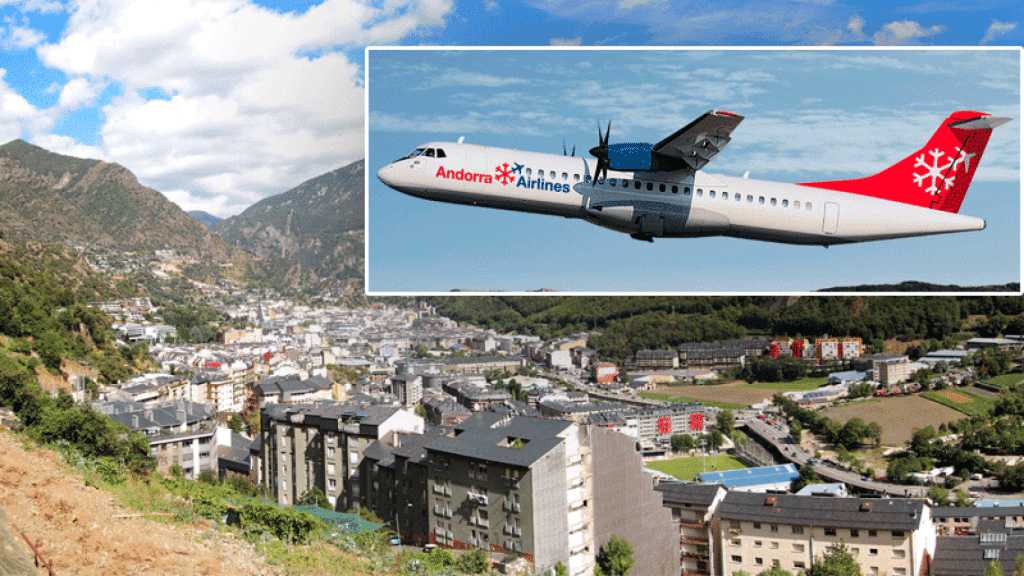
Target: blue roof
751,476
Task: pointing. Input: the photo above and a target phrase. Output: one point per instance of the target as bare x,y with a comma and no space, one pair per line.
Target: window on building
774,527
330,452
799,565
736,542
735,524
758,561
897,533
830,531
775,545
854,551
736,559
899,571
854,533
757,525
757,543
899,554
798,529
798,548
872,551
872,533
332,484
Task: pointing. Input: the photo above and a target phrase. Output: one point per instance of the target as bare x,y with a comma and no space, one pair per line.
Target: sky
810,115
220,103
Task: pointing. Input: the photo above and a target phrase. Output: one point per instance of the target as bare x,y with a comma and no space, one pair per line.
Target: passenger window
785,203
529,171
637,184
430,152
796,204
711,194
808,205
750,198
611,181
565,176
700,192
675,189
738,197
760,199
686,191
440,153
551,174
661,187
586,178
576,177
773,201
725,195
650,186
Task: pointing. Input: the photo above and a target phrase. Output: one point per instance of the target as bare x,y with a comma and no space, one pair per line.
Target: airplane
661,190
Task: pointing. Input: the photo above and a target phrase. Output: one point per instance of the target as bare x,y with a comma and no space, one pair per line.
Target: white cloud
42,6
268,99
567,41
904,32
996,29
79,92
15,37
17,115
455,77
628,4
490,5
856,25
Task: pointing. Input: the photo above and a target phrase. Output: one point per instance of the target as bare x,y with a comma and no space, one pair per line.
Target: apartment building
321,444
529,485
885,536
693,507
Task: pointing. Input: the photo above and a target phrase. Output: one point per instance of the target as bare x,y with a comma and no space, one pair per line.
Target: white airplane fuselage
651,205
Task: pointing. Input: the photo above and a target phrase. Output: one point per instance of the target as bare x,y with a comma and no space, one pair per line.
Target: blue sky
810,115
220,103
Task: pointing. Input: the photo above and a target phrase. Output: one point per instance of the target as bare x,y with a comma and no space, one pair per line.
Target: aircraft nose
383,174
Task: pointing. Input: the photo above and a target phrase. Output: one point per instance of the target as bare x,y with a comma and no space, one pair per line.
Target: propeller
564,153
601,152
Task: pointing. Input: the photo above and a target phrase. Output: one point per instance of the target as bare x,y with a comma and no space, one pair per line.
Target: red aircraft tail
936,176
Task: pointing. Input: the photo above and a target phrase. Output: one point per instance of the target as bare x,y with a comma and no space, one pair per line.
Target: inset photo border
510,207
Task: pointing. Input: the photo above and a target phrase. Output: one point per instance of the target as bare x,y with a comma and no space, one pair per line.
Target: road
778,436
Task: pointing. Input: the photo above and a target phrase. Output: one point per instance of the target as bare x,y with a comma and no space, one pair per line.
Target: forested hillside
628,324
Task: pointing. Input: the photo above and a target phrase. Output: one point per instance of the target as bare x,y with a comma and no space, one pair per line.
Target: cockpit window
416,152
430,152
440,153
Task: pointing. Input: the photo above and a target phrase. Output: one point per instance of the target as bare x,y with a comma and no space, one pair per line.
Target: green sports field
688,468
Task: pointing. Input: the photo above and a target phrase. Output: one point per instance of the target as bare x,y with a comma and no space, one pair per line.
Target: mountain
319,223
49,197
205,218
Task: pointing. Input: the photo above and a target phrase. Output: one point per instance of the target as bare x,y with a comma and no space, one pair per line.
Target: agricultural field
1006,380
961,400
801,384
686,469
898,416
736,393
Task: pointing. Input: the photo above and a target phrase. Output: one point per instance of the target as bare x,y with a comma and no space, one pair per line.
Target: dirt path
77,529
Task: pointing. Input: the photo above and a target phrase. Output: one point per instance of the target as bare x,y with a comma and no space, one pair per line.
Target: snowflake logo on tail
935,171
504,174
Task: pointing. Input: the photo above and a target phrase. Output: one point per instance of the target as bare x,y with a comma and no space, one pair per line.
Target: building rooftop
694,494
971,555
751,476
490,436
857,513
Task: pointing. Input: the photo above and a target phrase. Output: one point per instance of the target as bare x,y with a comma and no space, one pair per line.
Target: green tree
726,422
963,500
439,559
616,558
807,476
837,561
939,495
682,442
1018,565
235,423
994,569
475,562
314,497
561,570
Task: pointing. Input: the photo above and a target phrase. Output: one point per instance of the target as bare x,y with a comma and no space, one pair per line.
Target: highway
777,436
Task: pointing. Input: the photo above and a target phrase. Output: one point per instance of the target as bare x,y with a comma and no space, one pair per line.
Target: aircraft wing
701,140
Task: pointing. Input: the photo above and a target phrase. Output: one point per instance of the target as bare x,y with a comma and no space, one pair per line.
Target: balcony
698,542
697,525
477,499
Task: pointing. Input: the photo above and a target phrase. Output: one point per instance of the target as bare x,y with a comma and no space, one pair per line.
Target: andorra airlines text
660,191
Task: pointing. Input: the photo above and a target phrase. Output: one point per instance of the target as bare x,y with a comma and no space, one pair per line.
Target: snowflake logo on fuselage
937,172
504,174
